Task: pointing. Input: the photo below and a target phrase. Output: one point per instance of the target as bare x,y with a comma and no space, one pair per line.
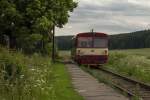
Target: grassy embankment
134,63
33,78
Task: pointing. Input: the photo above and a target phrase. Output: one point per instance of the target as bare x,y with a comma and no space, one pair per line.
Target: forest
64,42
133,40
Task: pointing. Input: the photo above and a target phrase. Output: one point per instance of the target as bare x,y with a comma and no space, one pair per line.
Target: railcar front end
91,48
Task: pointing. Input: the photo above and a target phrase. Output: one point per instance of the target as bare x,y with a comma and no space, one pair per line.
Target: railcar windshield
85,42
89,42
100,42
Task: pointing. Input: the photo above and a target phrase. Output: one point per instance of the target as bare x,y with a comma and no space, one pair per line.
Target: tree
20,19
139,39
147,42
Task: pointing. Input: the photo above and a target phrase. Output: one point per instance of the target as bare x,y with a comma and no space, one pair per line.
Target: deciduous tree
19,19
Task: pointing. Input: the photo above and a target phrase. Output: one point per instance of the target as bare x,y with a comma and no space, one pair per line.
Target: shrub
23,77
134,66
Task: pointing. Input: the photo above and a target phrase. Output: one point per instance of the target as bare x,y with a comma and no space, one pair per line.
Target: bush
130,65
23,77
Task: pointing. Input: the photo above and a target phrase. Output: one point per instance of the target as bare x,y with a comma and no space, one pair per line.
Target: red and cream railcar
90,48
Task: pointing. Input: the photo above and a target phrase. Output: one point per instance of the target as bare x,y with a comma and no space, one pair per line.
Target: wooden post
53,47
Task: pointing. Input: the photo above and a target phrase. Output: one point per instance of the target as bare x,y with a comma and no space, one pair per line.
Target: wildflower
21,76
35,85
42,89
32,69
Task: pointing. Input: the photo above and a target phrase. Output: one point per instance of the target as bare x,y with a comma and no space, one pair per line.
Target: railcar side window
100,42
85,42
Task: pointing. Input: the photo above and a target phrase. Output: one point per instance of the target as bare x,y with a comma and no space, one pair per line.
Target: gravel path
90,88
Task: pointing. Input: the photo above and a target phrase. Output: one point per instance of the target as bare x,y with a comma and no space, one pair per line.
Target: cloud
110,16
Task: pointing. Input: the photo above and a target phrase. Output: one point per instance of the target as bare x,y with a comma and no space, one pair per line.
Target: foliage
64,42
31,43
139,39
132,63
147,42
21,19
33,78
24,78
48,48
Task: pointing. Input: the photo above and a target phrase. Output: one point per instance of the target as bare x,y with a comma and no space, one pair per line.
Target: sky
108,16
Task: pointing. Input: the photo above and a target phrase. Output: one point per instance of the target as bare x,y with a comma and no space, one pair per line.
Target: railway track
133,88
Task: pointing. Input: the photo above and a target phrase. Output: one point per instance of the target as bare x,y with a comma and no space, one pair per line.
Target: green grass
139,52
33,77
63,89
134,63
65,54
24,77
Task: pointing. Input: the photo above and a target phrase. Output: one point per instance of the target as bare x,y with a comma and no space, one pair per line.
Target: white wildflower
32,69
21,76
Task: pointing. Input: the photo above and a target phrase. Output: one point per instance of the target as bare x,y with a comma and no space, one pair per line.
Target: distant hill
134,40
64,42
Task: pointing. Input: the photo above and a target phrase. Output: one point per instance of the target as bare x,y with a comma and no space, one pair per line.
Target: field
33,77
134,63
139,52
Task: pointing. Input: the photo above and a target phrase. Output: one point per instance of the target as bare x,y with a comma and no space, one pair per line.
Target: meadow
33,77
134,63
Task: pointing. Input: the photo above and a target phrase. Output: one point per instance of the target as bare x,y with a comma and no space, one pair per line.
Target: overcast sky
109,16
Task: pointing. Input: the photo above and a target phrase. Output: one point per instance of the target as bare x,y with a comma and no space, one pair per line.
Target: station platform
89,87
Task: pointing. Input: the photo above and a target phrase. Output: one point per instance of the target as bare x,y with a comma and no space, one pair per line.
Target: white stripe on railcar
92,51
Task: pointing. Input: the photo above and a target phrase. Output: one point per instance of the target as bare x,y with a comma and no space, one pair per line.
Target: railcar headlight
78,51
105,52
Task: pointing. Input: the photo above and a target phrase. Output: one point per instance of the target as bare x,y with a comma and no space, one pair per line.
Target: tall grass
23,77
135,66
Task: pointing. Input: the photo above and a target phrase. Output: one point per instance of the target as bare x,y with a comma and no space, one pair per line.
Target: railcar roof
90,34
